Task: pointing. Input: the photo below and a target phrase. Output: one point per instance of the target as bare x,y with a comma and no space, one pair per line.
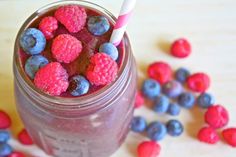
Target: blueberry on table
174,109
205,100
32,41
5,149
172,89
138,124
161,104
151,88
156,131
110,49
98,25
174,128
4,136
182,74
79,85
186,100
33,64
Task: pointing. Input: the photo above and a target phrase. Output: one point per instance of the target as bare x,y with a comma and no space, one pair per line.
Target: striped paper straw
122,21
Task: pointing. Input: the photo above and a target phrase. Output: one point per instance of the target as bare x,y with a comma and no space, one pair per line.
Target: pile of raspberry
50,74
169,91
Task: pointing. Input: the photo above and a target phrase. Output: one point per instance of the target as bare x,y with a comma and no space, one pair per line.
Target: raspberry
48,25
102,69
208,135
230,136
198,82
66,48
24,137
217,116
16,154
139,100
73,17
160,71
148,149
5,121
52,79
181,48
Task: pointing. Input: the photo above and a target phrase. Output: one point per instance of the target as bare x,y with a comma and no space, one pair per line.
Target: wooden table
210,25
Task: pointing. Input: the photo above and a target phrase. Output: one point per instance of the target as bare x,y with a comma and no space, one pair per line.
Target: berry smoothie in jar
74,90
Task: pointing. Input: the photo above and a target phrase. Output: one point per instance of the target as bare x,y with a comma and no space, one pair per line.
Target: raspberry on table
161,104
33,64
182,74
180,48
5,120
48,25
156,131
139,100
138,124
186,100
32,41
148,149
78,85
217,116
24,137
102,69
109,49
98,25
16,154
4,136
174,109
160,71
229,136
174,127
151,88
172,89
52,79
205,100
5,149
73,17
208,135
66,48
198,82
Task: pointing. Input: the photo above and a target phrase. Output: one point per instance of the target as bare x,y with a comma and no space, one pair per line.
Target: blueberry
172,89
181,74
161,104
205,100
33,64
5,149
174,128
174,109
156,131
4,136
138,124
151,88
98,25
32,41
186,100
110,50
79,85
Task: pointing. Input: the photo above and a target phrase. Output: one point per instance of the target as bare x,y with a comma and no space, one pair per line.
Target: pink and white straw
122,21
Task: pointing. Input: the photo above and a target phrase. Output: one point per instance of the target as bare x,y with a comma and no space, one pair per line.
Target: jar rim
64,101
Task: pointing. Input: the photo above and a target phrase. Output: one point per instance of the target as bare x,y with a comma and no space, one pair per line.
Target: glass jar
92,125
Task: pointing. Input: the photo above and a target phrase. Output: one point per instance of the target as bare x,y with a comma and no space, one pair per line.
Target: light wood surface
210,25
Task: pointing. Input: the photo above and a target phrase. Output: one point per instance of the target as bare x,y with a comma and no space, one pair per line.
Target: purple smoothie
94,124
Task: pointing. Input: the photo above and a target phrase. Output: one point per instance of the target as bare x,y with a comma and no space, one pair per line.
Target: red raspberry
198,82
16,154
181,48
139,100
102,69
148,149
217,116
24,137
52,79
5,120
73,17
48,25
160,71
66,48
230,136
208,135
